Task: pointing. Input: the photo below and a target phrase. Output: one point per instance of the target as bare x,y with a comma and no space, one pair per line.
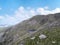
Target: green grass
52,34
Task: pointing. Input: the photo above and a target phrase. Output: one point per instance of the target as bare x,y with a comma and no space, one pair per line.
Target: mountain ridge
29,27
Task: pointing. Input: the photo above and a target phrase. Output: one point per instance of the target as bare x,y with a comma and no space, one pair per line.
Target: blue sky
15,11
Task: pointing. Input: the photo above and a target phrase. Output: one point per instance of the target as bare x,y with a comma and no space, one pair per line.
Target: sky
15,11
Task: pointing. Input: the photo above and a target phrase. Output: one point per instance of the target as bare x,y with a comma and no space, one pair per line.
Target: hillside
46,37
49,24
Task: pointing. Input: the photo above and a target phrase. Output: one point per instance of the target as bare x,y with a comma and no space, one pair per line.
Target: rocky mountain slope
16,34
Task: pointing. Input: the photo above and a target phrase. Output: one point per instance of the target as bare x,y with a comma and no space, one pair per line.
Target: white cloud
1,17
40,10
57,10
44,11
24,13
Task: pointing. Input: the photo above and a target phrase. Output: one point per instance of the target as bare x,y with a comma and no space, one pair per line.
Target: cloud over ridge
23,13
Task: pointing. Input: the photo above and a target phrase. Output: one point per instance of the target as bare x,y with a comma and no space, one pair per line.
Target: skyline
15,11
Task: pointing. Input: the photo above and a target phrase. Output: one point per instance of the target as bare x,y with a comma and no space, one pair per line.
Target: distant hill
2,29
29,28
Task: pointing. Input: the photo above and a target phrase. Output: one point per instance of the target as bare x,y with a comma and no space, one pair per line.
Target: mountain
34,26
2,29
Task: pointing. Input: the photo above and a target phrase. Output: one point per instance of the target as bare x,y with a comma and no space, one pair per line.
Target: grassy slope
52,34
